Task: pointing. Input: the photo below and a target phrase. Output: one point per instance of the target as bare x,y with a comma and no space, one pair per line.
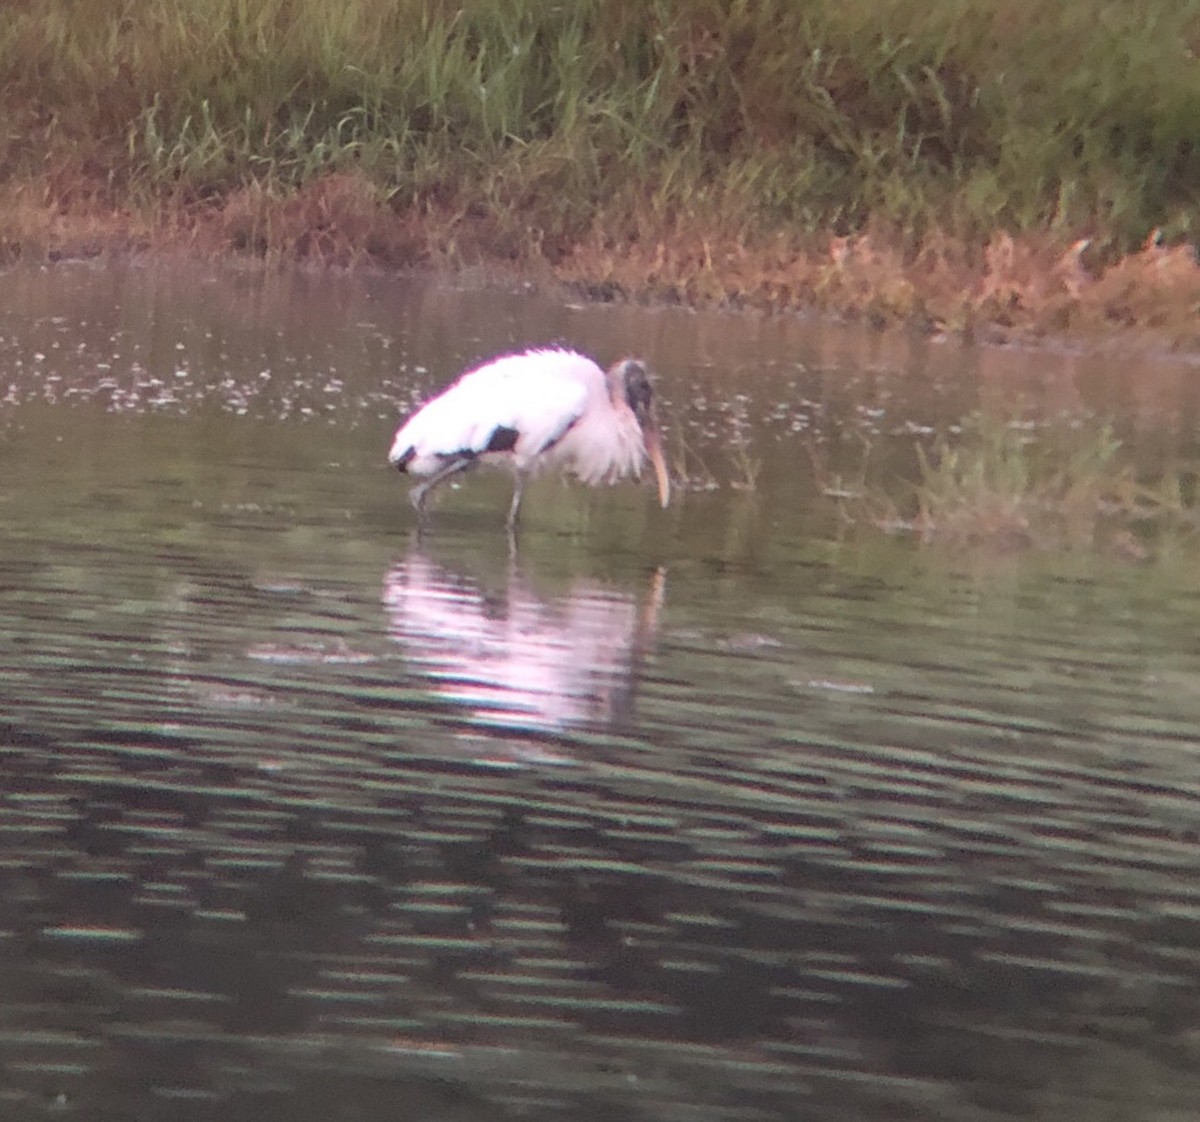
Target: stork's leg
452,467
515,510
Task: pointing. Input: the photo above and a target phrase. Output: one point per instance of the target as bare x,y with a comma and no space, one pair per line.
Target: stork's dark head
638,393
630,378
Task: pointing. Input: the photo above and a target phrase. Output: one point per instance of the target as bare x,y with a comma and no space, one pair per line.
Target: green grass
1002,483
825,115
996,484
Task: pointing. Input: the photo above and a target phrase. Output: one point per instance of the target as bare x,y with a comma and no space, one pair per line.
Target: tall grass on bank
690,132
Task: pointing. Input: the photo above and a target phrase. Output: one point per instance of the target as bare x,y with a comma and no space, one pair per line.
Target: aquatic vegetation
997,482
1000,484
690,471
893,160
747,467
1005,484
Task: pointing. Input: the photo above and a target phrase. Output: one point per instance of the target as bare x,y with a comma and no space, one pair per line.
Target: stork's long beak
654,450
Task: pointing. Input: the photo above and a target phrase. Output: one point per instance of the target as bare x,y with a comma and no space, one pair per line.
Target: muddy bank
1007,288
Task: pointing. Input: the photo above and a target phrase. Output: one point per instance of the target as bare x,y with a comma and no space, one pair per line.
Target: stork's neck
615,379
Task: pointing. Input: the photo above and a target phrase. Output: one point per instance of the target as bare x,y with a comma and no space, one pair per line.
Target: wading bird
537,409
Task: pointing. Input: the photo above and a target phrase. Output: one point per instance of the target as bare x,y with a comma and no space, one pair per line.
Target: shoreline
974,171
1010,290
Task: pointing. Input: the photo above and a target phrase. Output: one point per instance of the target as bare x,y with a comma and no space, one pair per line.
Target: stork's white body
541,408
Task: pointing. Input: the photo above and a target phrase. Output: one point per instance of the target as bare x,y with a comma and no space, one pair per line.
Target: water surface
722,812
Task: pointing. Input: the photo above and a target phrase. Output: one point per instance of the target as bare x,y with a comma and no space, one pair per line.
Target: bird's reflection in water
508,659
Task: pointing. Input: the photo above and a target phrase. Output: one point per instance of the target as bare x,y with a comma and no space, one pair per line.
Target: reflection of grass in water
1001,484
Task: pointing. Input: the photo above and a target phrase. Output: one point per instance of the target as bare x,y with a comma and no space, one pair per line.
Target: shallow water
714,813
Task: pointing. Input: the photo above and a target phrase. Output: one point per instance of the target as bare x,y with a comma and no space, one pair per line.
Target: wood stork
539,408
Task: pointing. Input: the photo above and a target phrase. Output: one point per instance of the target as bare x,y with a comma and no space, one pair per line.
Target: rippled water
717,813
